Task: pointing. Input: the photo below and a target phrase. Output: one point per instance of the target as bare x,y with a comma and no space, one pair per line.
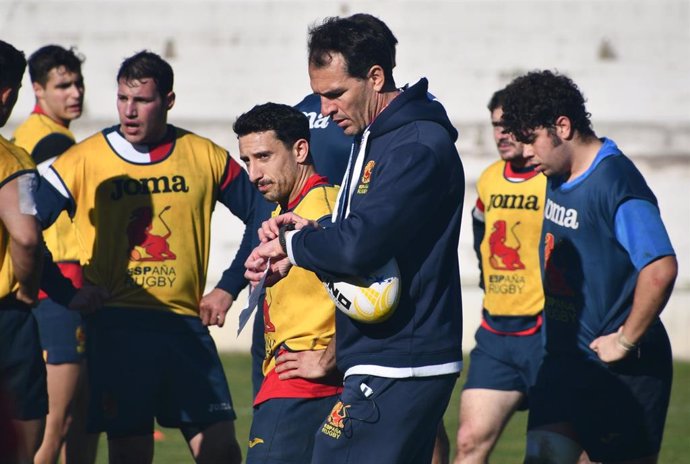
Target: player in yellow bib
298,314
141,195
22,372
59,89
506,222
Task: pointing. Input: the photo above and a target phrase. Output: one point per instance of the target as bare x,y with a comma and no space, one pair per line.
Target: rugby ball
368,299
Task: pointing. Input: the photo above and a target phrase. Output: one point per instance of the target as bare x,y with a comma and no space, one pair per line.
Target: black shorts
505,362
22,370
618,410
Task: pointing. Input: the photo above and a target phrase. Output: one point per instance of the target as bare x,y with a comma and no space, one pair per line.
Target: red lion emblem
338,415
555,279
504,257
139,235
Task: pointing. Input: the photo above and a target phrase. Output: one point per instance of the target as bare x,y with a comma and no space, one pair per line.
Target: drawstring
342,203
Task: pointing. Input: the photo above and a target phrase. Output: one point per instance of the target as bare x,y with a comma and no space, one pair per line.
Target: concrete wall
630,58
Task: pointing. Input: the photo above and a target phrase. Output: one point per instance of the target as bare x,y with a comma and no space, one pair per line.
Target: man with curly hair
608,270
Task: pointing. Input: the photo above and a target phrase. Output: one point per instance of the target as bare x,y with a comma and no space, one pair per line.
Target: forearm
26,254
653,289
328,357
58,287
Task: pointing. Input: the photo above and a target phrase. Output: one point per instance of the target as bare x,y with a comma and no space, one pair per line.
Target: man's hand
259,259
214,306
304,364
27,296
88,299
269,228
609,347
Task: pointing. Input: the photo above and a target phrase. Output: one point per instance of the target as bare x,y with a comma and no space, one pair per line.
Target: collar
518,175
315,180
40,111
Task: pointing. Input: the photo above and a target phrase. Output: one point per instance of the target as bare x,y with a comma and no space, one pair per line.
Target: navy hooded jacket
408,205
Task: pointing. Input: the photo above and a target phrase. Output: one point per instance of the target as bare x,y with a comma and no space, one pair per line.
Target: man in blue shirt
608,270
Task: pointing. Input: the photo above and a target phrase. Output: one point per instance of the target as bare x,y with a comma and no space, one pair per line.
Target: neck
40,109
381,101
517,163
583,152
304,172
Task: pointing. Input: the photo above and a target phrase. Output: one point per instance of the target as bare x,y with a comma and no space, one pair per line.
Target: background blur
631,59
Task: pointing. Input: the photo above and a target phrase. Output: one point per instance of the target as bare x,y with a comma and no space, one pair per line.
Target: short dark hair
148,65
497,100
362,39
537,99
43,60
288,123
12,66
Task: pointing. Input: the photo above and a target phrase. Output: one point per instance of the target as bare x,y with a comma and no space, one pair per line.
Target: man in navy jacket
401,199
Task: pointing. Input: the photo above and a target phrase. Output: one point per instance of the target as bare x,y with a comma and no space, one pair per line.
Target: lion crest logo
366,176
504,257
142,239
338,415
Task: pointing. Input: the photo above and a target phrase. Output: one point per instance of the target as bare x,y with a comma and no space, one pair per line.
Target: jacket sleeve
58,287
406,189
478,231
50,201
238,194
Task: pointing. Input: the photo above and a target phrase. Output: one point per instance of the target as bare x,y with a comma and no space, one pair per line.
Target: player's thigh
22,370
628,400
500,362
194,388
384,420
484,412
283,429
124,372
62,386
631,412
61,331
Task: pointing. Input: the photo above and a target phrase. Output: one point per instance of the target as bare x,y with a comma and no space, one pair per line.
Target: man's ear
39,90
377,77
170,100
564,128
301,150
5,94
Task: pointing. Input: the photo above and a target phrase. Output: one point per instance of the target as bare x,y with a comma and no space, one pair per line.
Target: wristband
624,342
281,235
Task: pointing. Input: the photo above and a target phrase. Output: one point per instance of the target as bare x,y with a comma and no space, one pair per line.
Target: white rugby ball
369,299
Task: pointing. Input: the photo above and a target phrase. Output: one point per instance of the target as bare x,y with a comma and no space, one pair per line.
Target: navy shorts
382,420
618,410
504,362
145,364
283,429
22,370
61,332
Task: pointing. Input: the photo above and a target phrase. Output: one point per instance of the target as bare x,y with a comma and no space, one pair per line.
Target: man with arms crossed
401,199
59,89
141,195
506,223
298,313
608,271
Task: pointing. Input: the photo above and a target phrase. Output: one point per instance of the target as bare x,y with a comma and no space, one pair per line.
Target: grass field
675,449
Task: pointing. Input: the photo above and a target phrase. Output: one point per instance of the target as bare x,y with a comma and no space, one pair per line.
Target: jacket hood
413,104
